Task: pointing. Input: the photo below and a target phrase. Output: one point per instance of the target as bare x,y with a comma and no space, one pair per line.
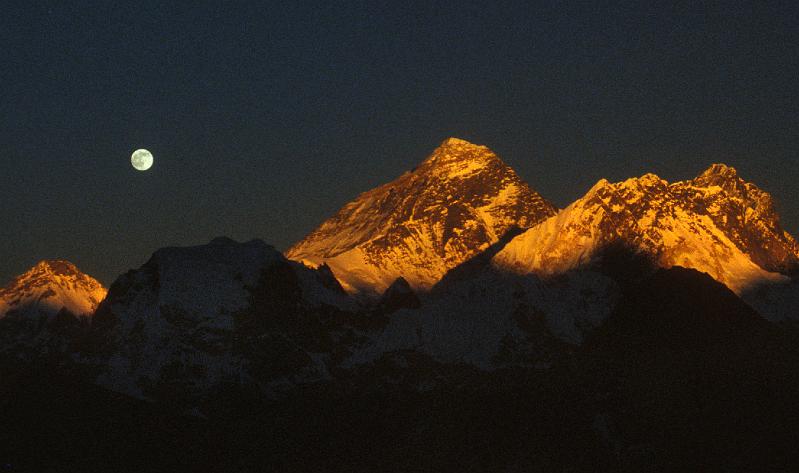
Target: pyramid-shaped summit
746,214
49,287
456,203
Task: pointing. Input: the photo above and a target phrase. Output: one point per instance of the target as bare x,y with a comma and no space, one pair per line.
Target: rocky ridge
716,223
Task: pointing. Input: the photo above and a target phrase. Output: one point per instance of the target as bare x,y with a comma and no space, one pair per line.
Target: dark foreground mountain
687,377
682,376
195,320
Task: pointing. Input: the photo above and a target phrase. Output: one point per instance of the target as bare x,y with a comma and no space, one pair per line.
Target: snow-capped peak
716,223
50,286
746,214
456,158
456,203
453,141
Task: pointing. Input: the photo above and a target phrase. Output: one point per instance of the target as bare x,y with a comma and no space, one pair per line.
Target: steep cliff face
455,204
716,223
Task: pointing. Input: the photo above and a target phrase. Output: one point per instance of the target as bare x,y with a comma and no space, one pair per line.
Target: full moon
141,159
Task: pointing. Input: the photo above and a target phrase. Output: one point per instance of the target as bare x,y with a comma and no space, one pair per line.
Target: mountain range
457,277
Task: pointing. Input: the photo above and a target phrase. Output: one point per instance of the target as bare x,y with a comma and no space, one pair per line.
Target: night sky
265,119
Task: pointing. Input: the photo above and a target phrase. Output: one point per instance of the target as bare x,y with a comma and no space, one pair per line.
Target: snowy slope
49,287
493,319
456,203
716,223
193,317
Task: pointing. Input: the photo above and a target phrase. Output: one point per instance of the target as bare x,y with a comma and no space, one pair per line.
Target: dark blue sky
264,119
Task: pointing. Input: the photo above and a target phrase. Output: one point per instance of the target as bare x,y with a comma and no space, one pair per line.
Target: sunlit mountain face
49,287
717,223
463,199
455,204
47,309
454,308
